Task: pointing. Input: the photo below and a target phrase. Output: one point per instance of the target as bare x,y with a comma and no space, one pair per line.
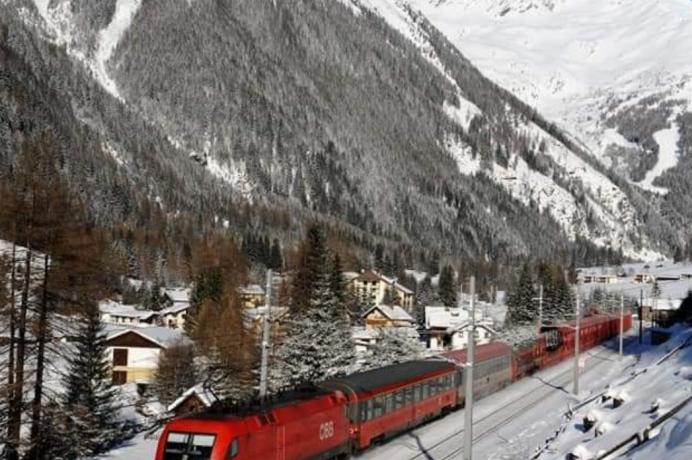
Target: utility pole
622,319
577,331
540,308
468,376
641,312
266,337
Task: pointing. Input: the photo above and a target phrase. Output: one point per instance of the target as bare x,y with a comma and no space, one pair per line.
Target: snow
667,141
576,60
125,11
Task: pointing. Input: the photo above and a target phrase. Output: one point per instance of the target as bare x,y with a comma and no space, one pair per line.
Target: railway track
515,408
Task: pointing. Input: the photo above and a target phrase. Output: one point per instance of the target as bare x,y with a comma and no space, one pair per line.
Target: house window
120,357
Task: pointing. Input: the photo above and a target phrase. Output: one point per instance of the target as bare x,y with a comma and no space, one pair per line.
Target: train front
201,438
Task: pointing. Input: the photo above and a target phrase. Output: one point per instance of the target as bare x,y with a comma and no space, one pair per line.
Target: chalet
448,328
194,399
252,295
127,315
372,288
387,316
134,352
175,313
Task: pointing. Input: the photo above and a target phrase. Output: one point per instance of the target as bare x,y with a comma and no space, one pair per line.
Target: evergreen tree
90,399
317,344
447,286
522,308
656,290
276,259
311,257
394,345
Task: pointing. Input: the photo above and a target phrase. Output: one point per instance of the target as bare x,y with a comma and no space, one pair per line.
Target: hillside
614,74
327,109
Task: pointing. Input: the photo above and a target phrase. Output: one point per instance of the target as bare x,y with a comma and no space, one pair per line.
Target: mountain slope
323,108
615,74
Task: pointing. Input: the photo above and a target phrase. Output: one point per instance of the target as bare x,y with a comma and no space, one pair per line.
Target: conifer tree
447,286
90,399
311,256
394,345
317,343
276,259
522,308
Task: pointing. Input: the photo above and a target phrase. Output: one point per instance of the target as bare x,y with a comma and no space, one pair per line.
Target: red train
347,415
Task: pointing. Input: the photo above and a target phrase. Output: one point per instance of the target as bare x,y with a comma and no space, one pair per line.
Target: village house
387,316
371,287
448,328
252,295
134,352
127,315
175,314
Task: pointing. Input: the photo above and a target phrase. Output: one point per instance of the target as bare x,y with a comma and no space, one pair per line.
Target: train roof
392,375
482,352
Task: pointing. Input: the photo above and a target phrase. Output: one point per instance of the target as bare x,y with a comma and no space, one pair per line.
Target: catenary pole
641,312
575,388
266,337
622,319
468,375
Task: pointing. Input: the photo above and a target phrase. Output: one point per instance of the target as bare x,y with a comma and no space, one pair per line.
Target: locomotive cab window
188,446
233,449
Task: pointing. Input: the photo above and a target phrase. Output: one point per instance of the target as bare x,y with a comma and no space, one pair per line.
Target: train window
389,403
188,446
364,411
409,395
378,407
399,400
419,392
425,389
233,449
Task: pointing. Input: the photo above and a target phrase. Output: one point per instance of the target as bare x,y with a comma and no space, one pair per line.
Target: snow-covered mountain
275,105
593,67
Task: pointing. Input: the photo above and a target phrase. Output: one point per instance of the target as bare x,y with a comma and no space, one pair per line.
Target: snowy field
515,422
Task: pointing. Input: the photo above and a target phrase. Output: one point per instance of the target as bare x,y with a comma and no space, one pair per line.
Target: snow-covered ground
513,423
673,289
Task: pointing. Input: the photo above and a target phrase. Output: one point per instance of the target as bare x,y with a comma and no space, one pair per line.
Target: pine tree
522,308
317,343
276,259
90,399
311,256
447,287
394,345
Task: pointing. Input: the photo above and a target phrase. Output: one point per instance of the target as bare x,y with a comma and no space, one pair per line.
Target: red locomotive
347,415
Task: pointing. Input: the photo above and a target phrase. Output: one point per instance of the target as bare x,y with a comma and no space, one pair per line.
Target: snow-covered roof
175,309
250,289
364,333
348,276
161,336
113,308
177,295
205,395
392,312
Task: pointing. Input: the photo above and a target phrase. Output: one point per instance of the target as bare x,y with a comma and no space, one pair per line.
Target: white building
134,352
127,315
448,328
387,316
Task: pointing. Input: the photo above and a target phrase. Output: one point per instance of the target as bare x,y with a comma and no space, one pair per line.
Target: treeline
55,269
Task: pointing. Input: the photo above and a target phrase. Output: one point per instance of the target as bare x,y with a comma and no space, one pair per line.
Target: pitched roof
177,295
205,395
392,312
127,311
161,336
251,289
373,276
